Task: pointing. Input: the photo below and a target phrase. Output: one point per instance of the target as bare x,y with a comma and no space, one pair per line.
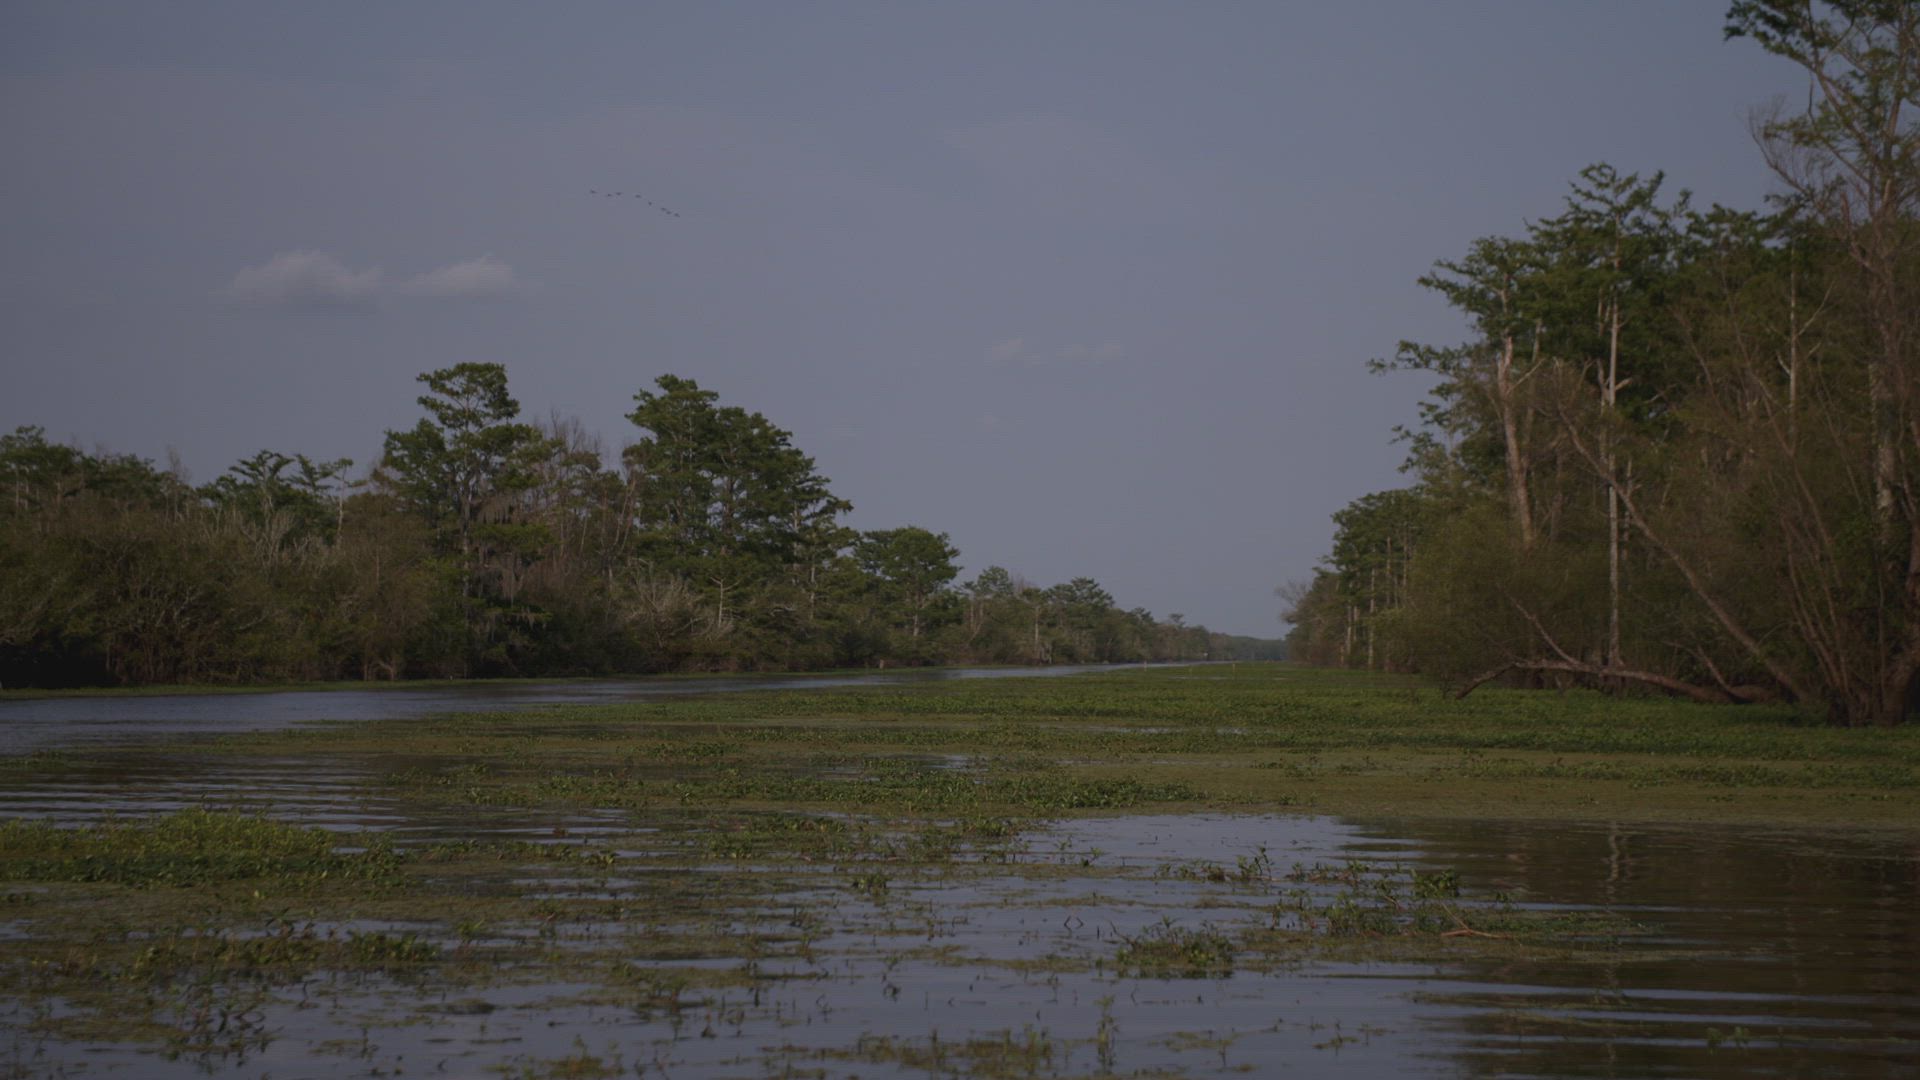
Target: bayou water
1755,952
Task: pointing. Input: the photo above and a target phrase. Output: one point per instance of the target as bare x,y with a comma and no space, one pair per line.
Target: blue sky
1090,287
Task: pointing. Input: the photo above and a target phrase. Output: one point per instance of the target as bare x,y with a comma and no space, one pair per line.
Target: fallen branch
1464,930
1703,694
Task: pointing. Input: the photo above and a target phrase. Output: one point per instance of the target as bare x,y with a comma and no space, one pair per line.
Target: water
1771,954
1758,952
37,724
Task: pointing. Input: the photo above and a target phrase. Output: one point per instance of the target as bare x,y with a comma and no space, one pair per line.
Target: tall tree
1851,159
462,469
1491,286
469,450
282,499
722,497
912,567
1609,255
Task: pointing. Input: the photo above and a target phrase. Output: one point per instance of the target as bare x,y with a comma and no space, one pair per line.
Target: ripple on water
1773,954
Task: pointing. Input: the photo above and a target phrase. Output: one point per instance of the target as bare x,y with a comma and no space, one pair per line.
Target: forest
1679,449
479,544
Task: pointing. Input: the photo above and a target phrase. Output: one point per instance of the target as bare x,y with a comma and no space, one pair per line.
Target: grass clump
1166,950
1007,1054
186,848
285,952
1358,899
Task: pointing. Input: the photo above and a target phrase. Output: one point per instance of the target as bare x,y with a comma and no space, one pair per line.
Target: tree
1316,618
723,500
1484,384
483,544
1609,254
994,618
1851,159
1375,539
277,508
1087,628
469,451
461,469
911,568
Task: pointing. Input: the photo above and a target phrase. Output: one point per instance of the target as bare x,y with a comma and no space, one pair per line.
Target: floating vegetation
188,848
1165,950
1026,1053
1066,877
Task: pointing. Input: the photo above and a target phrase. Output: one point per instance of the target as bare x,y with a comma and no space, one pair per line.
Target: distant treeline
1680,449
482,545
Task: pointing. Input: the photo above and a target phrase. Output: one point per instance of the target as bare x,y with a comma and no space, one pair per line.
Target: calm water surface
35,724
1762,952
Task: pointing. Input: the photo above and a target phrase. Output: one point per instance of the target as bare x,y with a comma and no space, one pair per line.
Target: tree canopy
480,544
1680,448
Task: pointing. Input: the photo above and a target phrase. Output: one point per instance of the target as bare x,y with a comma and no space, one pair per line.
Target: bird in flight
637,195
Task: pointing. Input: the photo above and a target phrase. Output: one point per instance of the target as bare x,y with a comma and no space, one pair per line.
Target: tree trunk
1373,602
1612,398
1505,391
1695,583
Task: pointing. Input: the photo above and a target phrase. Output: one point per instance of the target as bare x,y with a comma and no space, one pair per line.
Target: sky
1089,287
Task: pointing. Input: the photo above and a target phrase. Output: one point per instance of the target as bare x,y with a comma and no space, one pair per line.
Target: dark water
1767,952
35,724
1763,954
1758,952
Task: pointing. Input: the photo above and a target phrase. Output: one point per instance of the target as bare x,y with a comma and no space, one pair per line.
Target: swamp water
662,944
38,723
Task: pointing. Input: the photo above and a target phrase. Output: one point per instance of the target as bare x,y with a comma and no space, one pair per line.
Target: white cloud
1094,354
1007,351
316,281
478,278
306,281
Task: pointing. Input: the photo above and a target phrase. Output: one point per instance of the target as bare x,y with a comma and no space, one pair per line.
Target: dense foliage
1680,447
483,545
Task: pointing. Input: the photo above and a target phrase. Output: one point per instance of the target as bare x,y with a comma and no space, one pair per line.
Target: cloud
306,281
1094,354
316,281
1007,351
478,278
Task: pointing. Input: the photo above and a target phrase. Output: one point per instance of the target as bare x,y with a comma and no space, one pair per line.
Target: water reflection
1766,952
1785,953
35,724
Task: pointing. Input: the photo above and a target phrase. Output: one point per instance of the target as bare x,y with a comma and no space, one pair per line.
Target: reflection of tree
1817,932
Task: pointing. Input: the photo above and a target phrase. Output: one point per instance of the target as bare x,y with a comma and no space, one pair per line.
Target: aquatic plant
1167,950
188,847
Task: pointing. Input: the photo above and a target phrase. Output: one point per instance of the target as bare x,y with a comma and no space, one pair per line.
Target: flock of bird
642,198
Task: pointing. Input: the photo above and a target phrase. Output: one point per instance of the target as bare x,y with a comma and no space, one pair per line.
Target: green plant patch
187,847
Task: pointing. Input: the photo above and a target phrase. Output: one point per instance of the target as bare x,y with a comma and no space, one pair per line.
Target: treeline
482,545
1681,448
